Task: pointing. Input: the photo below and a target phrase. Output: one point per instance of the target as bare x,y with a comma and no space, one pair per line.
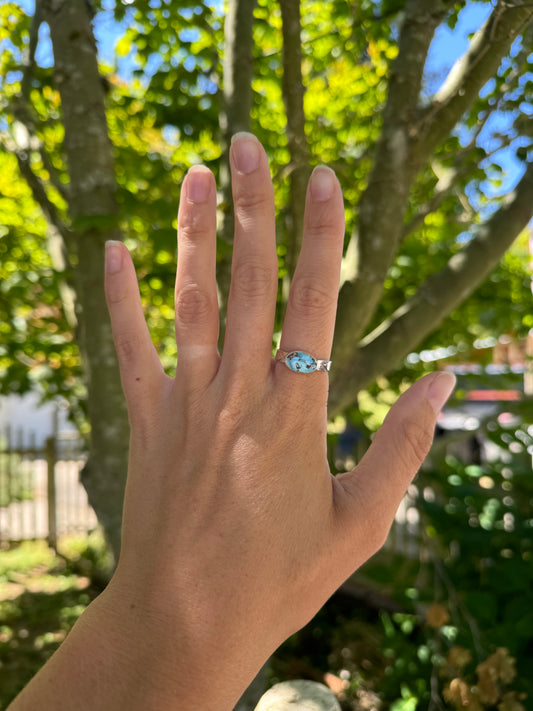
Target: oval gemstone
301,362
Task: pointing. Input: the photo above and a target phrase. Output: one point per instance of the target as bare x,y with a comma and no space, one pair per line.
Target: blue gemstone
301,362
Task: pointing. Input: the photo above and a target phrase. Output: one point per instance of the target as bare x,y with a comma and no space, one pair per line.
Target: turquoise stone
301,362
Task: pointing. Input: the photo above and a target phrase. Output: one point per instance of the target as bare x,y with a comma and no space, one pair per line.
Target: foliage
163,101
467,610
450,624
41,597
476,532
477,525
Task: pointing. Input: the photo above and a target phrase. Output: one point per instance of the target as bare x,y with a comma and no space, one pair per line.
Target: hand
235,532
234,529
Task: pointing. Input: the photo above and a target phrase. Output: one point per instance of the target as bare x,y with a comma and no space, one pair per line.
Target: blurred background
424,110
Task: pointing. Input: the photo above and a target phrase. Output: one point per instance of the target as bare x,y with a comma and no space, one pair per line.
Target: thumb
375,488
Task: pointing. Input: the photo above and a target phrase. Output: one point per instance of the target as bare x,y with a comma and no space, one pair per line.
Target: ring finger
310,318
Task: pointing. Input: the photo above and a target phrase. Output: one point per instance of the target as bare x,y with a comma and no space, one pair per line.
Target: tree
94,149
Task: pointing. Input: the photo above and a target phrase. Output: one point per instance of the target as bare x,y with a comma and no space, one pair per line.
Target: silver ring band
302,362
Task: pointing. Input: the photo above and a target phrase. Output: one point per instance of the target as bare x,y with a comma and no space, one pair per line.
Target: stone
301,362
298,695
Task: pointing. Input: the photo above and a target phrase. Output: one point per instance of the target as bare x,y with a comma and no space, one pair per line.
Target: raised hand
235,532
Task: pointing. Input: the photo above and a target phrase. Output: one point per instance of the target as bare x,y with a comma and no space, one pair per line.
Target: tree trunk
93,209
234,117
293,98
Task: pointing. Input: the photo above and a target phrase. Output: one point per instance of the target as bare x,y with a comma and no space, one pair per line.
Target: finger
371,494
310,318
254,272
139,363
196,304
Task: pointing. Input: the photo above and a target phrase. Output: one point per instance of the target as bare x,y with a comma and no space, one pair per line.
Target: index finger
139,363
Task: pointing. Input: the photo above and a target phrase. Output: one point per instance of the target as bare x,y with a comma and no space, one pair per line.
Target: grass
41,597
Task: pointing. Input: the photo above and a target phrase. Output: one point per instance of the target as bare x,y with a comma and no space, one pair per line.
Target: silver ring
301,362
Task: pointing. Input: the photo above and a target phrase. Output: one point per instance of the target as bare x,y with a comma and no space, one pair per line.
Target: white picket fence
41,496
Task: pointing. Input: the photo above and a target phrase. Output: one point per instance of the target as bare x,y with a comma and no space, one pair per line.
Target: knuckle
229,420
192,305
115,291
309,298
239,400
252,280
250,200
193,223
416,441
127,346
323,221
230,417
320,227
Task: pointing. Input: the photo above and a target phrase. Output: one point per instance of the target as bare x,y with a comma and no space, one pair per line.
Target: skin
235,532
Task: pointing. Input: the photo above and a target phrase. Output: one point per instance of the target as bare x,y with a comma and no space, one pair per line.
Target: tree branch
447,187
22,154
461,168
23,114
408,138
387,345
293,98
25,84
469,74
447,183
22,107
384,202
59,234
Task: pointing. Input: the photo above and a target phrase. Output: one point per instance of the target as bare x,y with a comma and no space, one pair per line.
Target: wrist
166,654
120,656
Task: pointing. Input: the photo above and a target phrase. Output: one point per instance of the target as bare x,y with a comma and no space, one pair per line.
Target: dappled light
423,110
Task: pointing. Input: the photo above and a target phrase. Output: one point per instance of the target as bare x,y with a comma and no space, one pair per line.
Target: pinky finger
140,367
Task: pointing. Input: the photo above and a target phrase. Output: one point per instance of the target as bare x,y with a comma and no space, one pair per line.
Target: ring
301,362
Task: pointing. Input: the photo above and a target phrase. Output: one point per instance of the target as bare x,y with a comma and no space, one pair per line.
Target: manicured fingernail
113,256
322,183
198,183
245,152
440,390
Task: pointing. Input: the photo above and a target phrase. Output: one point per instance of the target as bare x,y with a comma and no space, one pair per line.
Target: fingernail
245,152
198,184
440,390
322,183
113,256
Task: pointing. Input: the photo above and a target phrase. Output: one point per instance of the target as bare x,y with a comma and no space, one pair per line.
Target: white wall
23,413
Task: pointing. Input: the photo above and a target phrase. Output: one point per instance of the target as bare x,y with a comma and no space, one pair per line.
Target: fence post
51,491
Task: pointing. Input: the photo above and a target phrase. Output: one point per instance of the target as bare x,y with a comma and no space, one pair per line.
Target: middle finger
254,272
